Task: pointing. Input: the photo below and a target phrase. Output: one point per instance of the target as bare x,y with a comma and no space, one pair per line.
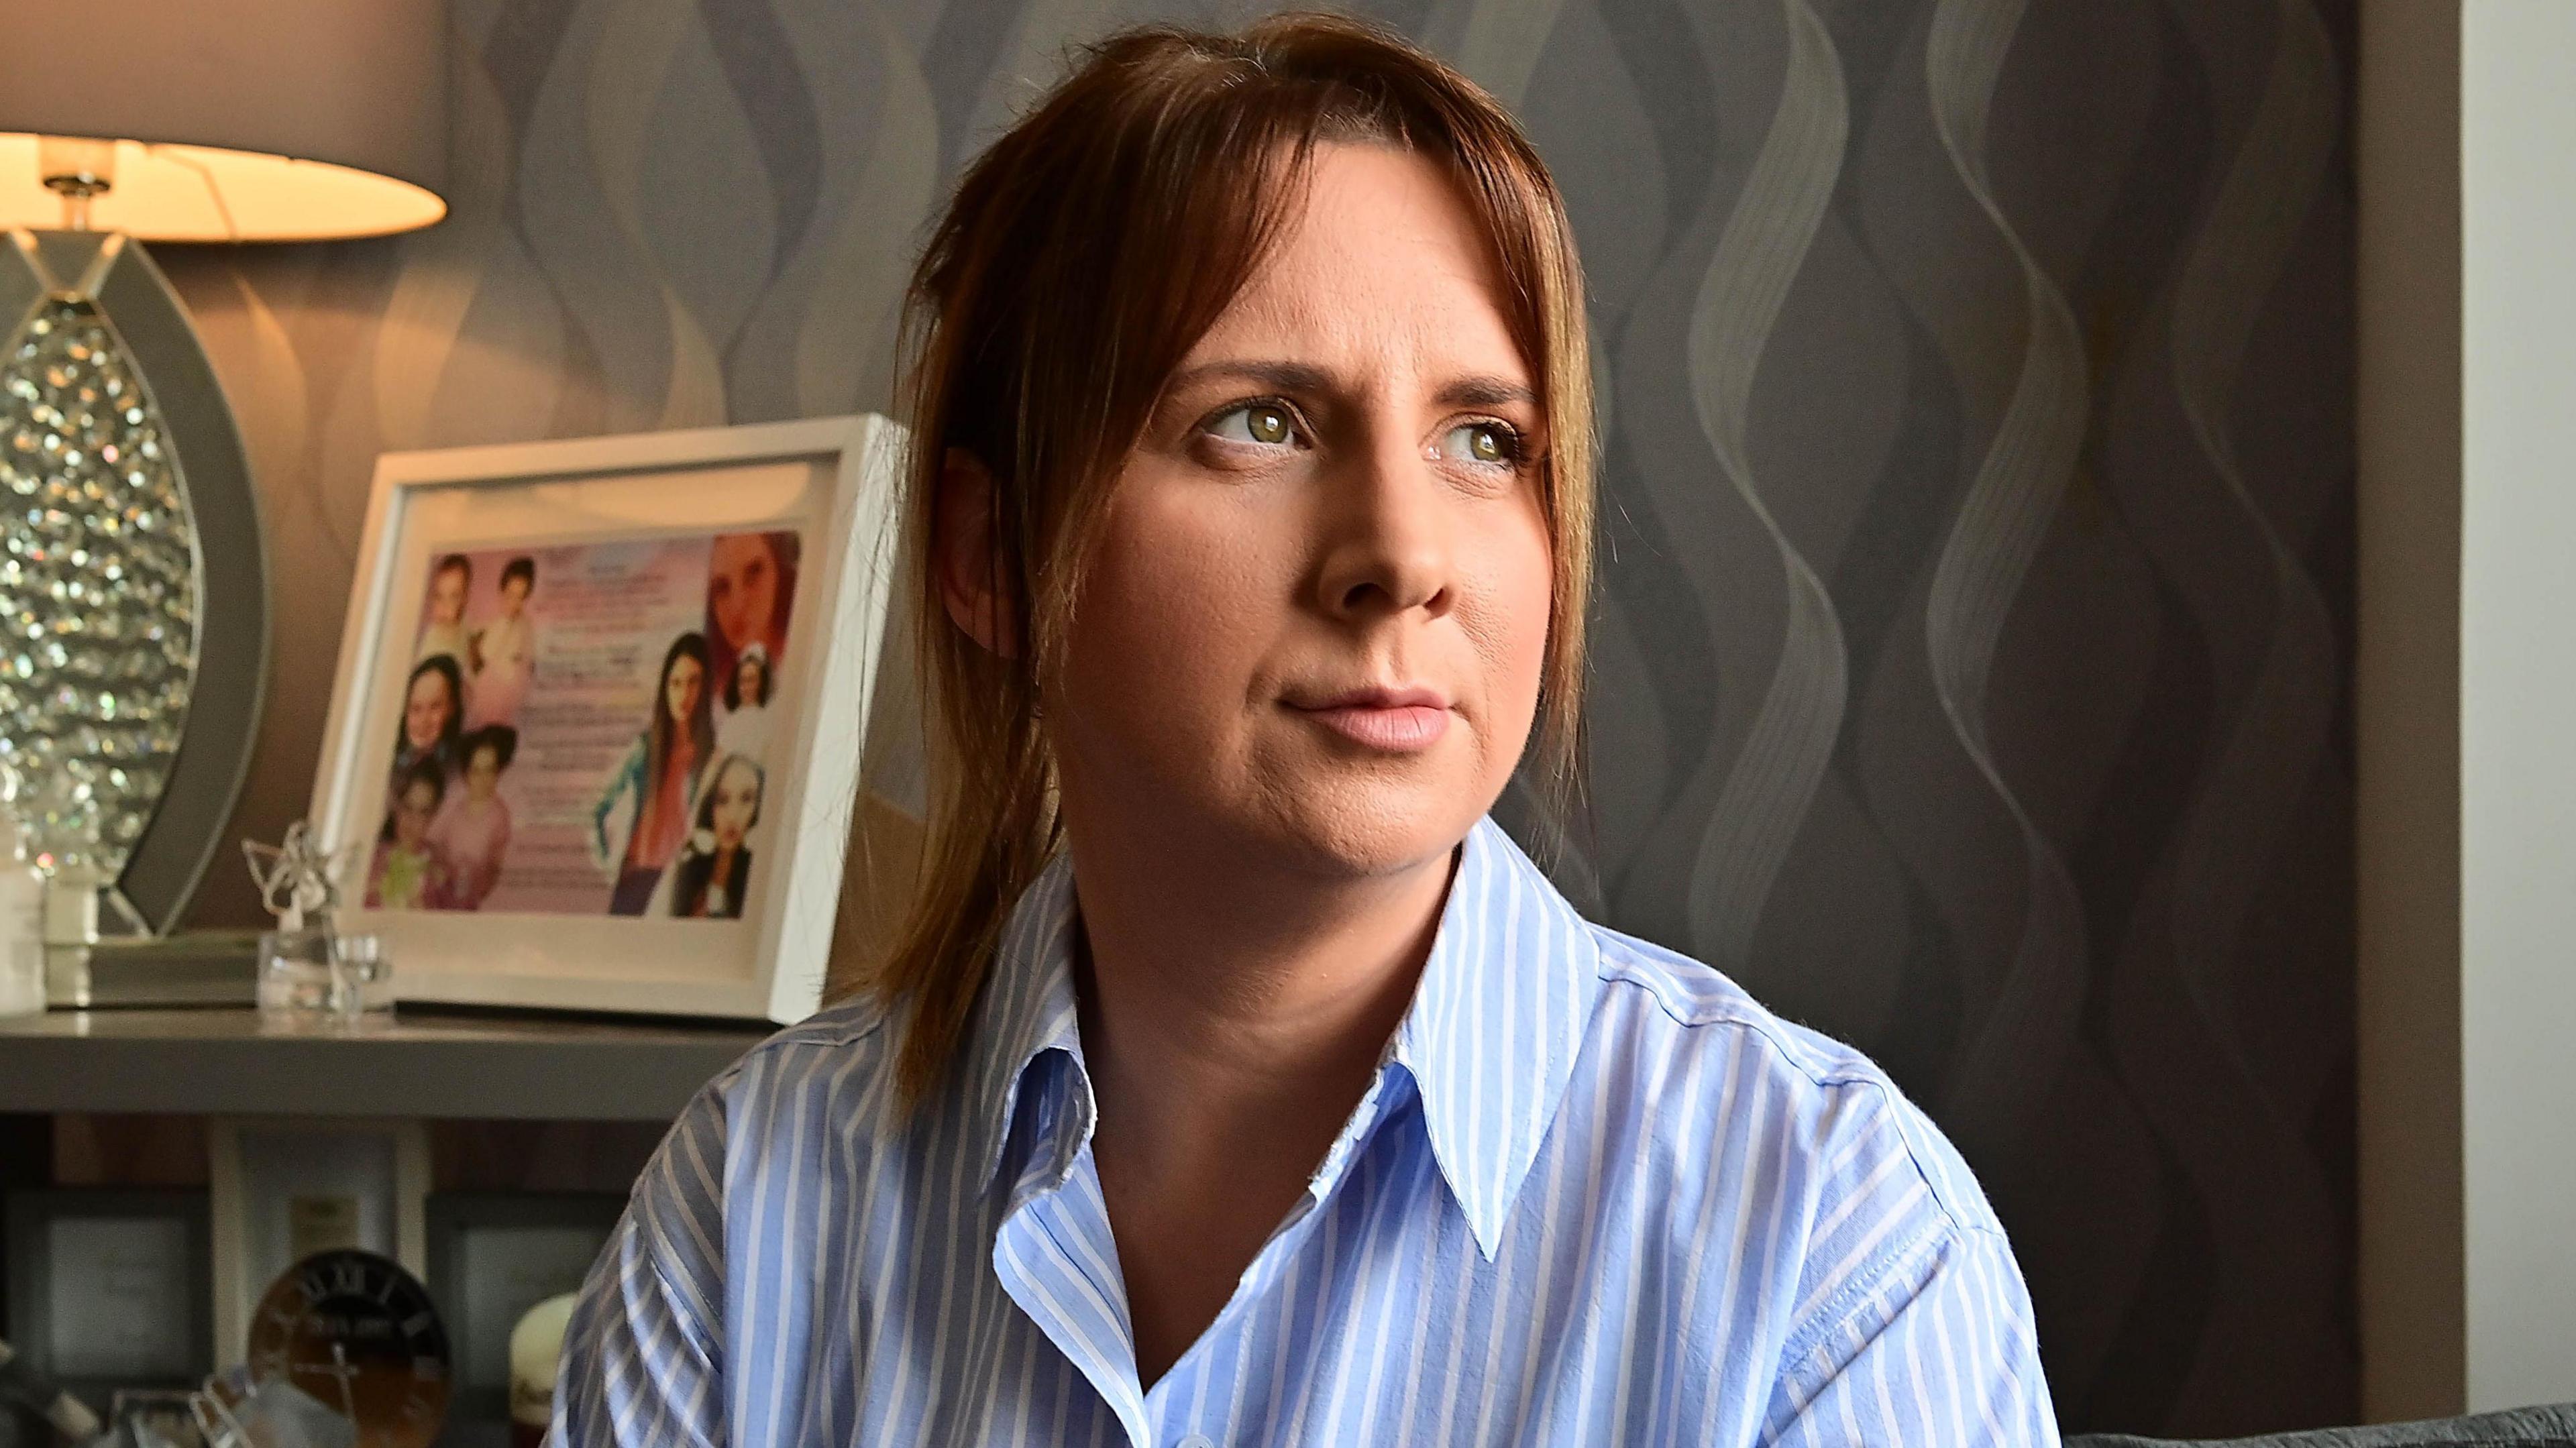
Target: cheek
1179,610
1510,577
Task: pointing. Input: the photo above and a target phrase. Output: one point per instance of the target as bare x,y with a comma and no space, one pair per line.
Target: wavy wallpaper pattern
1976,573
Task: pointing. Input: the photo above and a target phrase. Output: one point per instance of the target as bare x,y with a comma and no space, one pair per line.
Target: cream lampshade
227,120
133,577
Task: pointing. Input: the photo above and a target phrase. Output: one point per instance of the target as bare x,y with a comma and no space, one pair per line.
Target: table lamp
133,579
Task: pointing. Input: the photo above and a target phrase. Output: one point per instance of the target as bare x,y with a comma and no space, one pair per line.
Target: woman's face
426,710
514,596
737,800
749,677
680,687
411,815
447,595
1319,615
482,774
742,588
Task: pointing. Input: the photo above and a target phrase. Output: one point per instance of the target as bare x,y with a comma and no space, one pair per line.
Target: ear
962,553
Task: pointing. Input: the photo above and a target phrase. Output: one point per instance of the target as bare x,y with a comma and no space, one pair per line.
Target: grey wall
1976,583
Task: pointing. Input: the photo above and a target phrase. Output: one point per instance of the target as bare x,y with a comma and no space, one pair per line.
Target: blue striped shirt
1595,1195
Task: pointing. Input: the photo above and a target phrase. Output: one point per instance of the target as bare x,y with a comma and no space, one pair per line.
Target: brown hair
1082,257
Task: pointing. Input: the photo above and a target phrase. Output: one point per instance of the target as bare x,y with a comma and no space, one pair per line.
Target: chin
1358,828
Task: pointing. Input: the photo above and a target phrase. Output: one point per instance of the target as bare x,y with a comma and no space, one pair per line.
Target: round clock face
358,1333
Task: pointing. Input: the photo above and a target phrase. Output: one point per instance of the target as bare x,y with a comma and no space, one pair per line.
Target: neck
1232,1015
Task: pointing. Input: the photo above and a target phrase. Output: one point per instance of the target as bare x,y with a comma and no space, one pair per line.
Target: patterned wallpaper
1976,590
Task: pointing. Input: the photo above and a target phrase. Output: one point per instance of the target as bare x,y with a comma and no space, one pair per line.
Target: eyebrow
1485,392
1478,390
1285,376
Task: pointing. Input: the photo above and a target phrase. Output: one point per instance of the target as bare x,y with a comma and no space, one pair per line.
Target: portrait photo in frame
595,736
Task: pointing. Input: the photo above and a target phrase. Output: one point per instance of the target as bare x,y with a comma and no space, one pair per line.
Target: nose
1388,524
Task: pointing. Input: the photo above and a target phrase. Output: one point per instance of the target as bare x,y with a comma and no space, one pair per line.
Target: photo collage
586,728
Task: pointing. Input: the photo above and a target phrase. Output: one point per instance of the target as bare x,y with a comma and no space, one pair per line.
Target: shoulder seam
1721,1013
1822,1075
808,1033
1940,1190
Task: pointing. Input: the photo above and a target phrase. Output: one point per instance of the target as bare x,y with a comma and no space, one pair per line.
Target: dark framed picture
494,1255
111,1289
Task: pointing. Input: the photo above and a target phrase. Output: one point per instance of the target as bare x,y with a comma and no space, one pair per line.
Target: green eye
1482,442
1266,423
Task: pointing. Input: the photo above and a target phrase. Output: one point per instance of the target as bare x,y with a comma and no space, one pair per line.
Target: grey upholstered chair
2518,1428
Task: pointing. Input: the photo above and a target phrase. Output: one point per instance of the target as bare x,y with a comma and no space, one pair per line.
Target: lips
1395,720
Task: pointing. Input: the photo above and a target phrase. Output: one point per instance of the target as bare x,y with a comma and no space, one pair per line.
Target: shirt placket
1164,1407
1057,1259
1053,1253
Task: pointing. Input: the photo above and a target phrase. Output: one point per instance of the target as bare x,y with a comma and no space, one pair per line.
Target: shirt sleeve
1937,1348
643,1356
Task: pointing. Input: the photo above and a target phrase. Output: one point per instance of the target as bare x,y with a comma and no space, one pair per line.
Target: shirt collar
1489,1040
1492,1034
1025,1010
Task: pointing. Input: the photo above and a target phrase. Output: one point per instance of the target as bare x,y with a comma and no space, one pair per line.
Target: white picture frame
270,1179
832,483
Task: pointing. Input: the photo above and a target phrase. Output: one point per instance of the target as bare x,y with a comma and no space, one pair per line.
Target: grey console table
221,1061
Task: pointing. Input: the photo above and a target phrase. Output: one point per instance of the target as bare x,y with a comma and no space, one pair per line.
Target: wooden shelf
224,1062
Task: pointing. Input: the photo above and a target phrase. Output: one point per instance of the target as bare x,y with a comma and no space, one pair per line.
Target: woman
744,729
472,833
751,586
714,869
1235,1079
660,775
433,712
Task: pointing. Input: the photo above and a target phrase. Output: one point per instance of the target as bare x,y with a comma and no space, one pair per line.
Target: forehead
1382,268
